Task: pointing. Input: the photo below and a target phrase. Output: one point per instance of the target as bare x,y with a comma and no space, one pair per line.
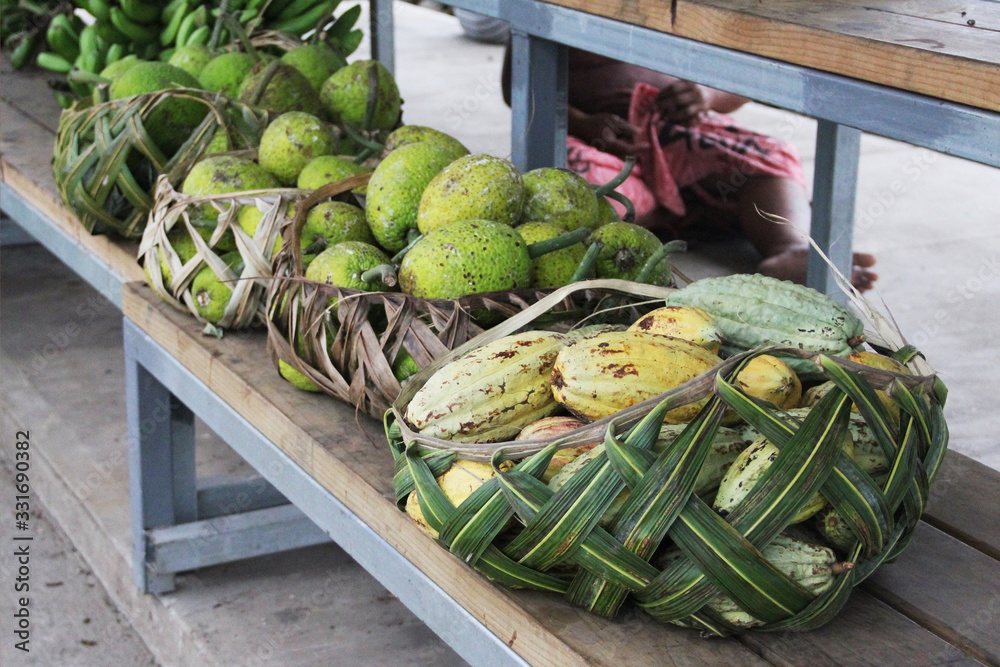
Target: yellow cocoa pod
770,379
491,393
685,322
458,483
600,376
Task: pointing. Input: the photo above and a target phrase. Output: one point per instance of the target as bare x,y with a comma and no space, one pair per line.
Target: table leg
162,475
538,102
381,33
835,185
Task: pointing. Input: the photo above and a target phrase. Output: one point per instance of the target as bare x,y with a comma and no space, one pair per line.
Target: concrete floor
929,218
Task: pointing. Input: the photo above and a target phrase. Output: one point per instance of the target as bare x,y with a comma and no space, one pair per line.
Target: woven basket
349,357
106,165
555,549
173,209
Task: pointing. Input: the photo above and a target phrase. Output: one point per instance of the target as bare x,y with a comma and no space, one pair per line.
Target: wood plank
27,90
964,502
25,165
947,587
858,636
951,61
347,454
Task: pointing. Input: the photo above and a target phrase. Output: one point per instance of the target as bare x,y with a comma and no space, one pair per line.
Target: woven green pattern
106,166
556,543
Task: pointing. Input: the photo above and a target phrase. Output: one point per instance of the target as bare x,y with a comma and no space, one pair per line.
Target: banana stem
603,190
386,273
213,41
624,201
586,265
540,248
660,255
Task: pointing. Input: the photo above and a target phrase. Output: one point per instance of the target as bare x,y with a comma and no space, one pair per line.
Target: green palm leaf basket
217,272
635,522
353,352
106,162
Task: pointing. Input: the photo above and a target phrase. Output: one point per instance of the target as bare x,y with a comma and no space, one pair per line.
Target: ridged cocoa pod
491,393
599,376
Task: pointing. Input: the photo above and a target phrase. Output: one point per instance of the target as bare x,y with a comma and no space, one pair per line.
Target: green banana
169,34
99,9
141,12
115,53
54,62
65,101
342,26
168,11
22,52
296,8
137,32
307,21
187,26
91,61
89,39
62,38
110,34
275,8
199,36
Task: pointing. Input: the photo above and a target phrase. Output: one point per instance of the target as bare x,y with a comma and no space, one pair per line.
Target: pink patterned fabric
680,157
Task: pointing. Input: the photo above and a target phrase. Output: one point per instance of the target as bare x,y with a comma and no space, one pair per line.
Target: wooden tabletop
949,50
928,603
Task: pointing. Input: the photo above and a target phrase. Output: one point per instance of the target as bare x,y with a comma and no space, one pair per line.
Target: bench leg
181,522
381,34
539,75
835,186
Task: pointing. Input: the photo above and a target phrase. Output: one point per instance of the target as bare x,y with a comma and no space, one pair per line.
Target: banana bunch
23,26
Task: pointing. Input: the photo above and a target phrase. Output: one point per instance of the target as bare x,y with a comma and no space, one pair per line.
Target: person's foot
792,264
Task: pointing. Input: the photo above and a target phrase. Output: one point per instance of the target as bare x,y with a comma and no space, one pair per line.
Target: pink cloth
680,157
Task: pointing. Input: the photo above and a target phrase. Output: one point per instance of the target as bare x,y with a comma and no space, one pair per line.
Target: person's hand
606,132
683,102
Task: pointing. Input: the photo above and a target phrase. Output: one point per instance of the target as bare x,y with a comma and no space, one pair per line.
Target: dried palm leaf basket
349,352
236,260
106,163
665,549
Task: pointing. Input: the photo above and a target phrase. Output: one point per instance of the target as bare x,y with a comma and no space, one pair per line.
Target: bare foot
793,262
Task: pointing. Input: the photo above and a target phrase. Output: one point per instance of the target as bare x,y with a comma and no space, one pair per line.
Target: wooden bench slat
27,90
952,61
867,632
964,503
948,587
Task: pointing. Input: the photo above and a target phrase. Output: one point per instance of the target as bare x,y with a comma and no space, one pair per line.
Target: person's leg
784,246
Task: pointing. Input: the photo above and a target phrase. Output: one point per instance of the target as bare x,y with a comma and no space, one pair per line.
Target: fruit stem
603,190
213,41
411,240
241,36
586,265
383,272
540,248
658,256
83,76
265,81
359,138
624,201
